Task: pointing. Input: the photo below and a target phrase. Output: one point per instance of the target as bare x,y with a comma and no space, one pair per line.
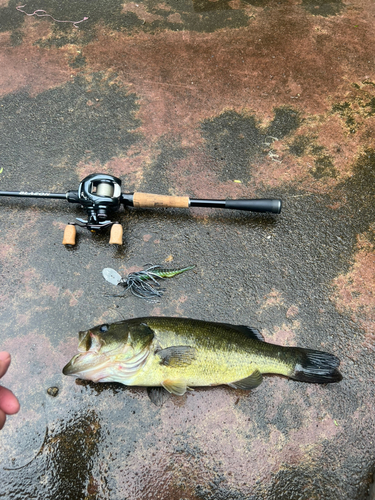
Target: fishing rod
100,195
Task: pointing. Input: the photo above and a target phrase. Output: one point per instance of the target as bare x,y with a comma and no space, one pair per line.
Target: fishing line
43,13
41,448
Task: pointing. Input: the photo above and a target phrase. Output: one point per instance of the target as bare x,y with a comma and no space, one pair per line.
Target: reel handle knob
116,234
69,235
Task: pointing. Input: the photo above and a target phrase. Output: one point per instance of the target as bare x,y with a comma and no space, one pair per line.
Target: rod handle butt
261,205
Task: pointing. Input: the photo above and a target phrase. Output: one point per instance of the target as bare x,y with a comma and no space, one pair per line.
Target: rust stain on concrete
355,291
22,64
203,452
273,299
252,68
184,78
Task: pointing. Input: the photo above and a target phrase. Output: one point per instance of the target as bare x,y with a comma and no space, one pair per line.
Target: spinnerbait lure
143,284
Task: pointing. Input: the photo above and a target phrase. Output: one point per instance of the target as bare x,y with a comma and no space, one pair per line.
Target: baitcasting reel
100,195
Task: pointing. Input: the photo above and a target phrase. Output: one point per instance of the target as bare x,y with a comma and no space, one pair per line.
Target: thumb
4,362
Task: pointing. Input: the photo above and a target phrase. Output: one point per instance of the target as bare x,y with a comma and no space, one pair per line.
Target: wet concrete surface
255,98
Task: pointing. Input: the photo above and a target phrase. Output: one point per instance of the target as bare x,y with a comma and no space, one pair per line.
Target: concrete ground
220,99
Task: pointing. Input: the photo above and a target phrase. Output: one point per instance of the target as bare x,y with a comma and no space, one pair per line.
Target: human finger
4,362
9,404
2,419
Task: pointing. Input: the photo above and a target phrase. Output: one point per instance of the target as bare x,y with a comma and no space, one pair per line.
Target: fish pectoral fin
158,395
177,387
249,382
177,356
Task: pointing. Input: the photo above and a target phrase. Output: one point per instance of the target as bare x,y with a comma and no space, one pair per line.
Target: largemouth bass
175,354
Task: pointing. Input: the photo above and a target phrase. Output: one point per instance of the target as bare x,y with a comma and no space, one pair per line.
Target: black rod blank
25,194
260,205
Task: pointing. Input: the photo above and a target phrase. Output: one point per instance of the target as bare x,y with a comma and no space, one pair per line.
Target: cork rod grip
69,235
145,200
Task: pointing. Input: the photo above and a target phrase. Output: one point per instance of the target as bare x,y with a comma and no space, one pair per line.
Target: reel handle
69,235
116,234
70,232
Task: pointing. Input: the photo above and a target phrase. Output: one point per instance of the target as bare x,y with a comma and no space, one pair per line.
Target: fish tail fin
316,367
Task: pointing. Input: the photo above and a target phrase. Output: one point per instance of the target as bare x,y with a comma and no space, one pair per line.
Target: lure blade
111,276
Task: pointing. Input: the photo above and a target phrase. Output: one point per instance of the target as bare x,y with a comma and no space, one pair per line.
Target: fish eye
103,328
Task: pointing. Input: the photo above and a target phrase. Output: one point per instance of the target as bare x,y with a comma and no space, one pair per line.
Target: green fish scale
222,343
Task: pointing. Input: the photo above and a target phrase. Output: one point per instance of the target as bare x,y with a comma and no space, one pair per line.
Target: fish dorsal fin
177,356
249,382
177,387
158,395
250,332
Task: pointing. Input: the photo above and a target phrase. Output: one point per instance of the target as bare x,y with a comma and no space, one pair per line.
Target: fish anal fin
249,382
158,395
177,387
250,332
177,356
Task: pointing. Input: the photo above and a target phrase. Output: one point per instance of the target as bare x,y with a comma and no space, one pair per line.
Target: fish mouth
87,366
103,368
70,368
